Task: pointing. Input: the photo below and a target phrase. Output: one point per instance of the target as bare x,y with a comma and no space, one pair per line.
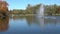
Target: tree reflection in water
4,23
31,20
39,21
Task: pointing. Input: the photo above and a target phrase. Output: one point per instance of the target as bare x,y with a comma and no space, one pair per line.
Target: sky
22,4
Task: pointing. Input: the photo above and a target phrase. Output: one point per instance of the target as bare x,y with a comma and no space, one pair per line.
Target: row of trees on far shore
48,9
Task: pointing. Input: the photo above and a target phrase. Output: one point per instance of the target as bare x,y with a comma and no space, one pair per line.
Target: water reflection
31,24
31,20
17,17
4,23
51,21
43,23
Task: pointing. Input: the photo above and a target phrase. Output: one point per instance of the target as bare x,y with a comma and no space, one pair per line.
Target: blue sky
21,4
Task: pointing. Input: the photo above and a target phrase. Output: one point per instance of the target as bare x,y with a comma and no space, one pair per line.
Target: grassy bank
31,14
56,14
22,14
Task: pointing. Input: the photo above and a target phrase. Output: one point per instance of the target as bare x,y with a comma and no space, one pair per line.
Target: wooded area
49,9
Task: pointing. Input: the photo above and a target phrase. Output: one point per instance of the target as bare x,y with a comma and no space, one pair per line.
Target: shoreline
32,15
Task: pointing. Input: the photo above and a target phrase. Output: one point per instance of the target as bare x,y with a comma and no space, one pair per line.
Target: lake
29,25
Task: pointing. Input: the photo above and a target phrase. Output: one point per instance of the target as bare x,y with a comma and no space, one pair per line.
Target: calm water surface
29,25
